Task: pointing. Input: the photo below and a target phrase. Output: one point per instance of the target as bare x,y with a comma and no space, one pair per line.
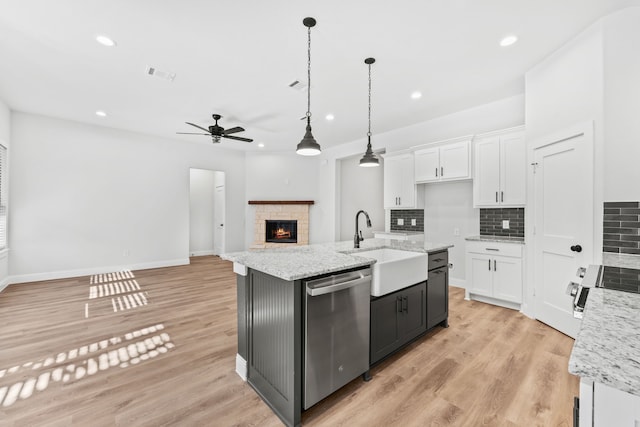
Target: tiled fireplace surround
279,211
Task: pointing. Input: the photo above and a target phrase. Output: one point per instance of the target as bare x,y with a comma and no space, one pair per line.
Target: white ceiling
236,58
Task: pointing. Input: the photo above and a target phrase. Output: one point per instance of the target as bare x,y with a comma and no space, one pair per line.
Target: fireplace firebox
281,231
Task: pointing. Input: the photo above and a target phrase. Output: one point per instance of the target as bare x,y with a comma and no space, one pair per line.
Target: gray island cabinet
271,314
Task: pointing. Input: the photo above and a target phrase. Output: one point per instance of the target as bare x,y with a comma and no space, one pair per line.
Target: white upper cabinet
399,185
446,162
500,170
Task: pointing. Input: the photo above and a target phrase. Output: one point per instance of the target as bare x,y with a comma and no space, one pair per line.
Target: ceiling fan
217,132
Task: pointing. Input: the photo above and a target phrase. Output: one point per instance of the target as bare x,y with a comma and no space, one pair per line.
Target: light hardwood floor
492,366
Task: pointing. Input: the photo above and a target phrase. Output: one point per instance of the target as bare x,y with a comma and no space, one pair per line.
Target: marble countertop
500,239
607,348
298,262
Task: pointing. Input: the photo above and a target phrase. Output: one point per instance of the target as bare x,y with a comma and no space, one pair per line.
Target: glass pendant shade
308,146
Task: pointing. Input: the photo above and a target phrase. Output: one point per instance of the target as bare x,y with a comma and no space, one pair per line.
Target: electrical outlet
400,221
456,231
413,222
505,224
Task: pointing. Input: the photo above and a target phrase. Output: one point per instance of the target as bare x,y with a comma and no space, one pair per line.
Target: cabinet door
612,407
437,296
507,278
454,161
513,169
486,183
480,272
427,165
414,320
392,181
385,327
408,183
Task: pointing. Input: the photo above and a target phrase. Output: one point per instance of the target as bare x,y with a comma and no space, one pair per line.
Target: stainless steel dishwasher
336,339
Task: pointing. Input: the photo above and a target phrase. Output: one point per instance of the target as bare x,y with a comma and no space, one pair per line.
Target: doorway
206,212
563,221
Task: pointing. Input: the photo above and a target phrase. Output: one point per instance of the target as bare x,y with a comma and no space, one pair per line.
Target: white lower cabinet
604,406
494,273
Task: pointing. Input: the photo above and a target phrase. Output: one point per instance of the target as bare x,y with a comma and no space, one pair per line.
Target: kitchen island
271,311
606,353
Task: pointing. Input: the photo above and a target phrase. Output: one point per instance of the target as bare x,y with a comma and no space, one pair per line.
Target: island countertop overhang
298,262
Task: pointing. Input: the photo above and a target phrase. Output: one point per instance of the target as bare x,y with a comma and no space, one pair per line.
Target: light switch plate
413,222
400,221
505,224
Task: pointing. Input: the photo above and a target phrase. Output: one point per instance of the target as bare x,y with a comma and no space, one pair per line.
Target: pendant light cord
369,132
309,75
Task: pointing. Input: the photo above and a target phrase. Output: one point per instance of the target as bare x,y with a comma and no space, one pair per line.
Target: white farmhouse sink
395,270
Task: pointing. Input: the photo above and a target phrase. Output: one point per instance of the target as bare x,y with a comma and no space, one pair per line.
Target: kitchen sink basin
395,269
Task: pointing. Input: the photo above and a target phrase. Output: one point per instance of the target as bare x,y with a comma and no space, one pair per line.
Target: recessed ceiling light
105,41
416,95
101,113
330,117
508,40
261,145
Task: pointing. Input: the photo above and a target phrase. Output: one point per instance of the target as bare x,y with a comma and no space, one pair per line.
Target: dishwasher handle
335,287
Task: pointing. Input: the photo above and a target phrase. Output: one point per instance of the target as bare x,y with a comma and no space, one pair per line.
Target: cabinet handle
502,196
496,197
405,305
399,304
436,172
494,265
438,259
492,249
441,171
489,265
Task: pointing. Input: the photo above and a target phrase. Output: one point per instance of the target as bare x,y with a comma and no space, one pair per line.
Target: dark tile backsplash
491,222
407,215
621,227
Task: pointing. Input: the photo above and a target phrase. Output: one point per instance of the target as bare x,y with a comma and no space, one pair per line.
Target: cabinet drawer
493,248
438,259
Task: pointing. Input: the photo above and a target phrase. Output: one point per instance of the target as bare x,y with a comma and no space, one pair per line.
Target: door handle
441,171
496,197
405,304
502,196
436,172
576,248
399,304
489,265
494,265
221,225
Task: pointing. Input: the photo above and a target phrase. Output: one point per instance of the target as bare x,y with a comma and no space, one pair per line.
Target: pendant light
308,146
369,159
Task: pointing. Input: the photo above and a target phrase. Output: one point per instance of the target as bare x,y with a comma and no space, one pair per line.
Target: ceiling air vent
164,75
298,85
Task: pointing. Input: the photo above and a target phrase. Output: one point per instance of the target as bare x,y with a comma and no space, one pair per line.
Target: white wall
361,188
283,176
202,185
449,205
622,105
81,195
5,134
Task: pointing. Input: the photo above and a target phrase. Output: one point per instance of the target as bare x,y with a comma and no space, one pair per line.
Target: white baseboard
241,367
494,301
202,253
52,275
4,283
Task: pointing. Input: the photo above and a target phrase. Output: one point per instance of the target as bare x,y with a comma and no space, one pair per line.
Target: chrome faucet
357,238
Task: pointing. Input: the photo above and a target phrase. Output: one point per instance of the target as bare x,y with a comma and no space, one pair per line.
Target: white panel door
408,183
454,161
513,169
507,279
392,181
563,212
486,184
219,242
481,274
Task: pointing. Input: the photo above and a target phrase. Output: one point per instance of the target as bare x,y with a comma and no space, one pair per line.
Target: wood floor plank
492,366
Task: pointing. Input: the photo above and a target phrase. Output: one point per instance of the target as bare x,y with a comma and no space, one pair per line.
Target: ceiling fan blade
199,127
191,133
233,130
237,138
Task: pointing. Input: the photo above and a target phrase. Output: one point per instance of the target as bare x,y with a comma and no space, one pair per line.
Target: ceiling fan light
308,146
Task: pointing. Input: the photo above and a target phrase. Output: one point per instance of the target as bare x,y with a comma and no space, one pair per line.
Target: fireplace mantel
281,202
